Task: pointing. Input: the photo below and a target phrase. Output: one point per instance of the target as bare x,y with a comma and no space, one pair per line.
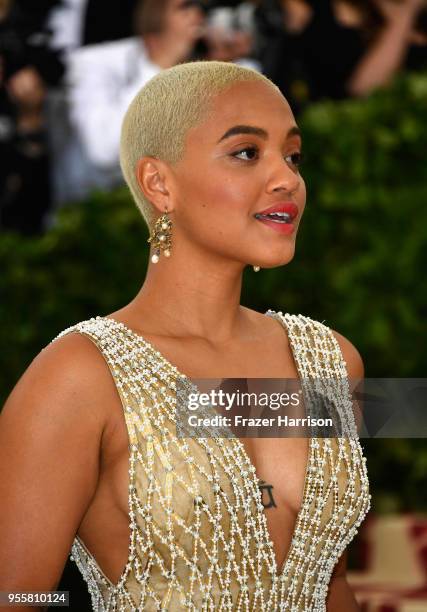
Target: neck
196,295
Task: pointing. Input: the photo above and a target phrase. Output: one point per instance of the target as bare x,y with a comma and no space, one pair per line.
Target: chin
283,262
280,259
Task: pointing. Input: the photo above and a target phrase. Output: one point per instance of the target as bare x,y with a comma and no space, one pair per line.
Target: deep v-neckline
280,572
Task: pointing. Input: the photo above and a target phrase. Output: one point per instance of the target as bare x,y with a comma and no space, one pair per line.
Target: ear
152,177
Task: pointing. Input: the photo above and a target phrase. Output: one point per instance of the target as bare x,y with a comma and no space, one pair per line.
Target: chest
252,358
280,463
203,497
280,466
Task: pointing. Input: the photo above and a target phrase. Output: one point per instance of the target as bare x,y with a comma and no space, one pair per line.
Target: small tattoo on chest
267,499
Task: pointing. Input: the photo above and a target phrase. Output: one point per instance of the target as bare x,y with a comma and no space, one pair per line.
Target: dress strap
321,366
130,366
117,352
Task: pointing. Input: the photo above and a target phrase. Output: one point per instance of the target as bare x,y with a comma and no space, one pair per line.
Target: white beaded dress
198,532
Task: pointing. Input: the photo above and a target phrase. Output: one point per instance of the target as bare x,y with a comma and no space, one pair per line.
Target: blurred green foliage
361,252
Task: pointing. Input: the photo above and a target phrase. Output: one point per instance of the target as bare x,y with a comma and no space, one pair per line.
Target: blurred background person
231,34
27,68
100,82
102,79
338,48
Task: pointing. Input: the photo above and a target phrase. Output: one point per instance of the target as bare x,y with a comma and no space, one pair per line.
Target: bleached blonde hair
160,115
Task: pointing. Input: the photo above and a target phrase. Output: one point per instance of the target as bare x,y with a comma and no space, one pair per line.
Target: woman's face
242,161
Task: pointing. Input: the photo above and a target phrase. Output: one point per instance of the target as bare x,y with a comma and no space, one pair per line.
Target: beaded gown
198,530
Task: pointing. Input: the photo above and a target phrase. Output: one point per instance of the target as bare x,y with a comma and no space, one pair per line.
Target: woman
208,149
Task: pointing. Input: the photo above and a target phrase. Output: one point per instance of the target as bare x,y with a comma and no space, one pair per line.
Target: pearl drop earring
256,268
161,237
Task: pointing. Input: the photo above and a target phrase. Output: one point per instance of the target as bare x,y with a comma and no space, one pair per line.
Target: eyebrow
256,131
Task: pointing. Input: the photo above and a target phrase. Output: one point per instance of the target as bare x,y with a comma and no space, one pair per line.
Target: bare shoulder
351,355
70,368
51,431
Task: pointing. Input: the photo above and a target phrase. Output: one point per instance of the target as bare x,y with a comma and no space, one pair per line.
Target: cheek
229,196
213,210
217,196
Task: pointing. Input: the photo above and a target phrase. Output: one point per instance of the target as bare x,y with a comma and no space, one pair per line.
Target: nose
282,177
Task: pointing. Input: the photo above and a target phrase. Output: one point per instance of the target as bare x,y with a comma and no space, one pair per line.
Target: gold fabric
198,532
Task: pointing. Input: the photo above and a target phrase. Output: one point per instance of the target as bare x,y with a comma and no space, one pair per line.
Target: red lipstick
279,217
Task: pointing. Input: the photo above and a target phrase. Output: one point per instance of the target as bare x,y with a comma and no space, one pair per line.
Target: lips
279,217
285,211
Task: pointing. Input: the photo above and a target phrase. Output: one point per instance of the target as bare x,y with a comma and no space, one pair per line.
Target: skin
189,308
27,92
183,25
384,56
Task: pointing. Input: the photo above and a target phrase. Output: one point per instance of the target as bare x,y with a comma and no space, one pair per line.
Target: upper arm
50,437
340,595
355,370
340,570
351,355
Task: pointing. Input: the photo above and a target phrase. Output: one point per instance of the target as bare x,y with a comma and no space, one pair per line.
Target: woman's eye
294,159
251,153
251,150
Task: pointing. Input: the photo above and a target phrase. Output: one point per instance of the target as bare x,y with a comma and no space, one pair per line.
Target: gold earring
161,237
256,268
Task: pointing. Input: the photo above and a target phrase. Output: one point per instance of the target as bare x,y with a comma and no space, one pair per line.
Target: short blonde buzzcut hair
160,115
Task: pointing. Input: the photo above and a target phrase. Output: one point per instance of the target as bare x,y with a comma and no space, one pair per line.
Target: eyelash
295,162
